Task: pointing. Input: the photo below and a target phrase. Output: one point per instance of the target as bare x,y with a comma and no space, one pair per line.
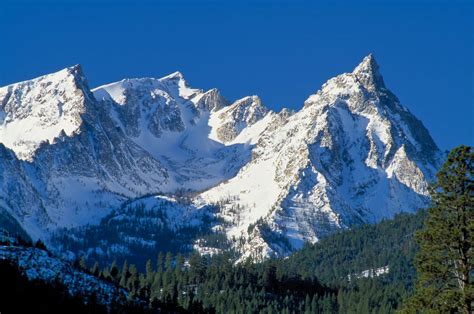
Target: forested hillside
369,247
338,274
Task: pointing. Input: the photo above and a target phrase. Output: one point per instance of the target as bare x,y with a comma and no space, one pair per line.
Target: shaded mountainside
257,182
143,227
49,284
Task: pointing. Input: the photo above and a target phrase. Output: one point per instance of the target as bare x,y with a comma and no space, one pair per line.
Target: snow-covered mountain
353,154
170,121
70,156
77,165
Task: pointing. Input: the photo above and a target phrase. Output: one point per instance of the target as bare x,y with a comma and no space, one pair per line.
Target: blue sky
282,51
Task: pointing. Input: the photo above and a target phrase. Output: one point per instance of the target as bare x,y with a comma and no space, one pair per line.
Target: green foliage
205,284
313,280
445,260
388,243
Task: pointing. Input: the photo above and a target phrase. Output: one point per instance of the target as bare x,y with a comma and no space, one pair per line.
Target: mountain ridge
351,155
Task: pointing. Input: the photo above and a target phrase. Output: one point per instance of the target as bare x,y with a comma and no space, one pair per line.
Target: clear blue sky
282,51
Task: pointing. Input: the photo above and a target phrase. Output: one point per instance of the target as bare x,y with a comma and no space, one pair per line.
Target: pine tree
315,304
155,287
124,274
169,261
40,245
307,305
83,263
95,269
150,274
445,260
114,272
269,277
179,265
197,267
159,262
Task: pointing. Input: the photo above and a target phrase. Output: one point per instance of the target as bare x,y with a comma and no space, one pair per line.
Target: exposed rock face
353,154
240,115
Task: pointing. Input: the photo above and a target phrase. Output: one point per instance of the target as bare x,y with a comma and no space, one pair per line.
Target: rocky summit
152,155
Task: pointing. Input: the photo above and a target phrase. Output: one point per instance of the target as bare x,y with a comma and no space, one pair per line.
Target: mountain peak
368,73
77,68
42,108
173,76
368,64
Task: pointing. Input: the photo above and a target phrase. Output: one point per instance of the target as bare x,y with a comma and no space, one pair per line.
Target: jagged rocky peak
241,114
212,100
248,110
152,105
368,73
363,93
405,128
38,110
176,85
121,91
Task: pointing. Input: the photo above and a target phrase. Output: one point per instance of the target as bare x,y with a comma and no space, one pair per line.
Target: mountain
77,165
169,120
353,154
154,152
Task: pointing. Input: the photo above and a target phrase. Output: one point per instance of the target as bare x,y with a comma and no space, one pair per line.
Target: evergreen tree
124,274
95,270
179,265
169,261
445,261
40,245
150,274
269,277
114,272
83,263
198,267
132,282
159,262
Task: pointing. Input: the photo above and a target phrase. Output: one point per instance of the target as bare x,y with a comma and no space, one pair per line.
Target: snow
370,273
301,193
340,160
112,91
196,158
240,116
38,111
256,196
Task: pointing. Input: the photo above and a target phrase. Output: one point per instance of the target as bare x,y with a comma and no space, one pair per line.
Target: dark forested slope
365,270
